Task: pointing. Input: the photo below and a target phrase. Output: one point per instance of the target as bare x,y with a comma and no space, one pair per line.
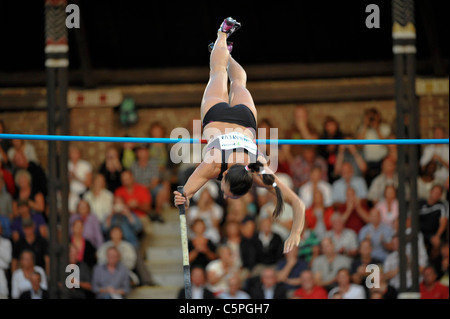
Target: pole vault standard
110,139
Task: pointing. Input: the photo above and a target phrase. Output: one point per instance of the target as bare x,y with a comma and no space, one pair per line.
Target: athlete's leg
239,94
217,89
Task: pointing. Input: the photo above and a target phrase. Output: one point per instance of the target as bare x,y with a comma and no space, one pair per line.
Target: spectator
309,247
80,176
331,131
36,291
344,239
268,287
32,242
111,169
233,290
5,260
388,176
92,230
360,263
220,270
303,164
325,267
348,179
309,290
24,214
201,249
289,270
136,197
6,208
99,198
306,192
350,154
25,192
110,280
128,255
438,153
346,288
354,212
388,206
84,291
441,264
317,216
379,234
208,210
38,177
198,285
373,128
86,250
123,217
430,287
24,147
146,173
127,154
5,144
385,290
8,180
426,181
241,248
433,220
19,281
270,245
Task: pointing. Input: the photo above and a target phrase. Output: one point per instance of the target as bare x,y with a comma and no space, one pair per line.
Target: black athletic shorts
238,114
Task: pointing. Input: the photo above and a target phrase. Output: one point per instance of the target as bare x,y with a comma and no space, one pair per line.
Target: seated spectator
302,166
438,153
317,216
111,169
24,147
128,255
127,154
36,291
373,128
270,245
201,249
267,286
233,290
80,176
5,260
308,289
100,199
433,220
123,217
388,176
32,242
353,155
24,214
5,144
326,266
136,196
92,230
110,280
220,270
441,264
86,250
430,287
84,290
355,212
344,239
348,179
8,179
25,192
346,288
379,234
198,285
289,270
208,210
306,192
426,181
331,131
309,247
19,281
388,206
145,172
38,177
385,290
360,263
6,209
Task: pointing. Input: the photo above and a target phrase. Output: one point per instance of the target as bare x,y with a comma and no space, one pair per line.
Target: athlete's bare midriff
214,129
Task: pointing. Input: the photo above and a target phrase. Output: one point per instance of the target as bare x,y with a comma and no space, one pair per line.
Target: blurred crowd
349,246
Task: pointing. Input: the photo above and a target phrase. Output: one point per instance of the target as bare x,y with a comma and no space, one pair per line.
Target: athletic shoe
229,26
229,46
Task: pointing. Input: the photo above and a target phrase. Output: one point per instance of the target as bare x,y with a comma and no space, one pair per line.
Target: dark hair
241,180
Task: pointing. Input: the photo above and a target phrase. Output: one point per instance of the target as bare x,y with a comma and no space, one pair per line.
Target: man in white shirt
80,176
306,192
439,153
